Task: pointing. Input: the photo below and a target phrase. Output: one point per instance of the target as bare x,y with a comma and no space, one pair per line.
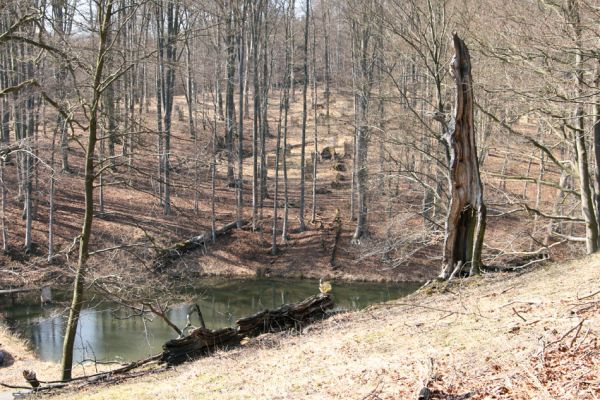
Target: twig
576,333
578,327
6,385
518,315
588,296
126,368
544,258
425,307
583,340
373,393
520,302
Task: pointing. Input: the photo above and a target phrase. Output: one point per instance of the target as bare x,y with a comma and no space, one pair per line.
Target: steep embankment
528,336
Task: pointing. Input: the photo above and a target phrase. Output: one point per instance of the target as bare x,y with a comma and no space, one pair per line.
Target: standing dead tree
465,225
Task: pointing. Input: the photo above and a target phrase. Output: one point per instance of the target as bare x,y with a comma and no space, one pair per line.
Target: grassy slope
484,336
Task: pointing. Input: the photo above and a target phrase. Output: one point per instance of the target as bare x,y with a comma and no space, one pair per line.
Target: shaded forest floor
501,336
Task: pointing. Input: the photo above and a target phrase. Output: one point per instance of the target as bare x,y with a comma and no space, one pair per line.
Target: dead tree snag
465,225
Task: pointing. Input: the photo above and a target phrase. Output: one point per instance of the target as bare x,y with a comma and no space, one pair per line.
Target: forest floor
132,221
533,335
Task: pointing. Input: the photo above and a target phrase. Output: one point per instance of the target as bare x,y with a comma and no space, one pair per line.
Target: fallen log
165,256
288,316
201,341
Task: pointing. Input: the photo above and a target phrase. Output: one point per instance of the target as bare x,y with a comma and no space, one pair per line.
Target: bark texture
465,225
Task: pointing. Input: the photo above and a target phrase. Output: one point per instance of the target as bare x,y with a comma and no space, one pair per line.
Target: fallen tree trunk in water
202,341
169,254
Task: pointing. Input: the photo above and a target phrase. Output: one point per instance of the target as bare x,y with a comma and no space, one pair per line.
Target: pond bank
17,357
483,336
106,331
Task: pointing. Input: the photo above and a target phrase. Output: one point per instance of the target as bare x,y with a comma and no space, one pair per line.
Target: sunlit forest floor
398,247
501,336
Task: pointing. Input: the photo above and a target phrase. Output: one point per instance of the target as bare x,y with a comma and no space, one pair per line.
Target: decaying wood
465,225
203,341
169,254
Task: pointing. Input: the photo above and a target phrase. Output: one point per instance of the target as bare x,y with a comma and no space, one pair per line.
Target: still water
109,333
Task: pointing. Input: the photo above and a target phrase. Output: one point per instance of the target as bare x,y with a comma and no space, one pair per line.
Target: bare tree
105,15
465,226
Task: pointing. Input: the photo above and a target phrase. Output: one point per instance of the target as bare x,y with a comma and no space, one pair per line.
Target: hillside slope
529,336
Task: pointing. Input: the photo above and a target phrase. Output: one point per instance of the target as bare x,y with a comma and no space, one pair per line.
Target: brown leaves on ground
570,367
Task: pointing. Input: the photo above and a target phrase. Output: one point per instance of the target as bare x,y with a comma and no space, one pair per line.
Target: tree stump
465,225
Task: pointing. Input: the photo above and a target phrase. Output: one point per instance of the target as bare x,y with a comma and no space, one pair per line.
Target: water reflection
107,332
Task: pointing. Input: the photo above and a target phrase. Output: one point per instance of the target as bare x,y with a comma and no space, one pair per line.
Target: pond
108,333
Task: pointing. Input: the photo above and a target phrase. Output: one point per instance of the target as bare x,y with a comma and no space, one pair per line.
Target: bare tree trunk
354,157
465,225
326,22
276,191
101,161
159,118
229,96
315,156
219,73
587,205
4,201
28,170
597,149
256,16
365,56
241,71
62,25
109,106
361,169
286,105
190,90
304,115
173,28
283,109
51,204
105,13
264,123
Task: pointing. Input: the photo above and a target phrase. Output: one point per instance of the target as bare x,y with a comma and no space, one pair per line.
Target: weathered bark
465,225
203,341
